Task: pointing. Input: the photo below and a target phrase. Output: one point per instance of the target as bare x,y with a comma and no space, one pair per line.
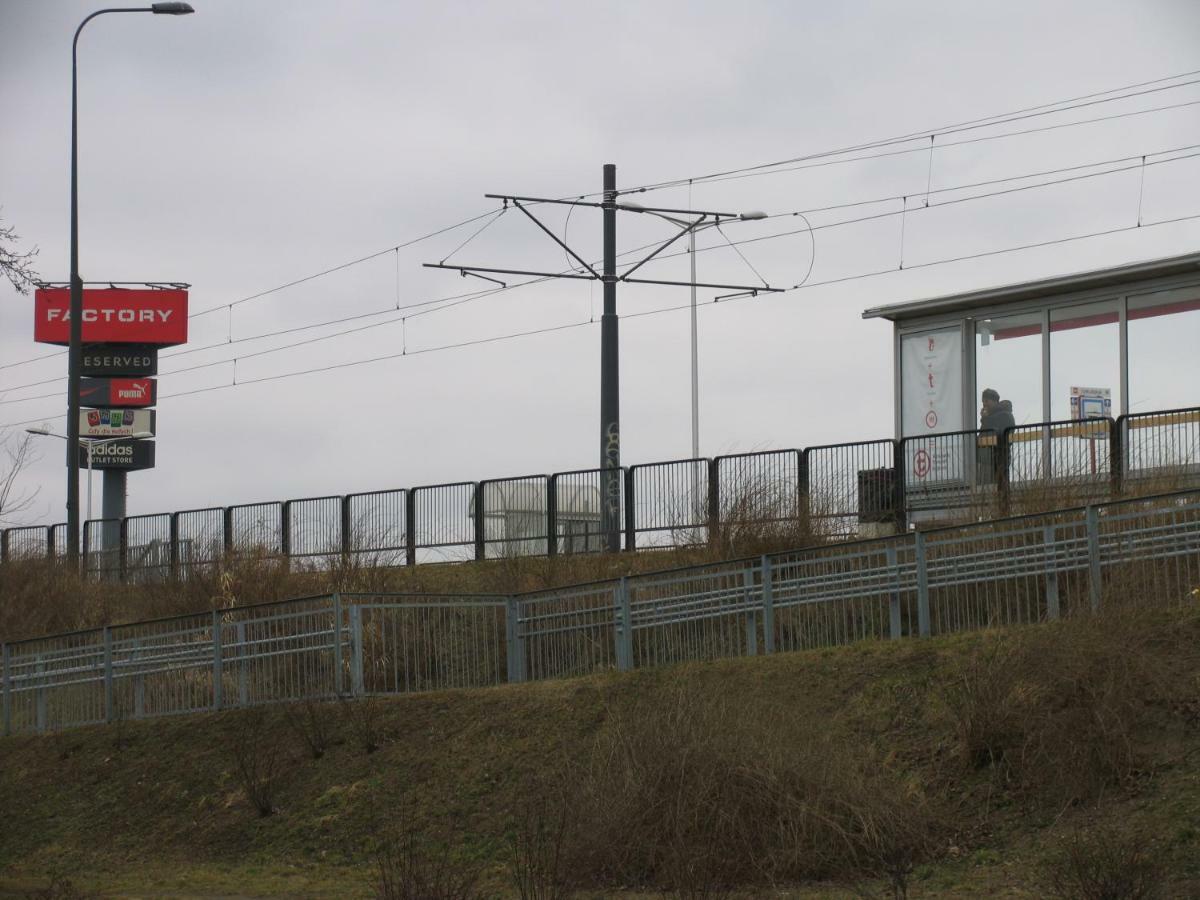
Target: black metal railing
835,491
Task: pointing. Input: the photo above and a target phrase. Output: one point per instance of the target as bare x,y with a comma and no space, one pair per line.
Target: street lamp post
74,351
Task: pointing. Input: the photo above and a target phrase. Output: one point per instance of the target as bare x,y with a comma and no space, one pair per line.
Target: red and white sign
117,392
113,316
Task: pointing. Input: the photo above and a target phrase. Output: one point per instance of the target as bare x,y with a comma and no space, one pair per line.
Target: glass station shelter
1100,343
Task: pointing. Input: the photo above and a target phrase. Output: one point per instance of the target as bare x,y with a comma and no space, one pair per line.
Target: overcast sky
256,143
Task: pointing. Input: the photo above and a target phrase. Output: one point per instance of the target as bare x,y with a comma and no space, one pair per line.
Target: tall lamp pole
74,350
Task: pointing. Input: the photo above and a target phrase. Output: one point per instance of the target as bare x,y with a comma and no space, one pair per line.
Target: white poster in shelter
931,403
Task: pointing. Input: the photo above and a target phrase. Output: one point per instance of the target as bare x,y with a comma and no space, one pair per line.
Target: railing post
630,517
173,538
108,674
356,651
1092,515
347,526
285,533
123,549
40,711
898,485
410,527
552,515
338,675
514,642
3,546
50,554
218,673
1003,487
803,501
243,666
922,585
480,521
768,601
139,682
894,621
7,691
623,631
751,613
1052,609
1116,455
227,528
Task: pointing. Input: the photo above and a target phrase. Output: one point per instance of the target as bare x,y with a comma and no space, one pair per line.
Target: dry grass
411,867
256,756
1057,713
690,794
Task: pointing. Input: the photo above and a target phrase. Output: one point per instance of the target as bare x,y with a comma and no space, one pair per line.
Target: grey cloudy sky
256,143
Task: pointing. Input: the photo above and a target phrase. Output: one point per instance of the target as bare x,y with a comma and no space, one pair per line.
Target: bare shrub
411,869
1057,711
1105,863
61,887
688,794
312,722
537,863
256,759
362,716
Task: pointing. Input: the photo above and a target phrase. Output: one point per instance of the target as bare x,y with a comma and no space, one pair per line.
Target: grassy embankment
1003,763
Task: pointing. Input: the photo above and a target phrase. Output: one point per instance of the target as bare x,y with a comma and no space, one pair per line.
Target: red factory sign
113,316
117,392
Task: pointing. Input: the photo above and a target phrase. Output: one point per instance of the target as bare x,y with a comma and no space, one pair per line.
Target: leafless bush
1057,711
1105,863
685,793
537,863
410,869
312,722
256,758
61,887
363,716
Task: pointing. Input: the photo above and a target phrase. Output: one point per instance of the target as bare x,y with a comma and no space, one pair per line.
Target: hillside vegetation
1055,760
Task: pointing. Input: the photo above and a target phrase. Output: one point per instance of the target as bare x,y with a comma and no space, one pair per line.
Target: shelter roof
1045,287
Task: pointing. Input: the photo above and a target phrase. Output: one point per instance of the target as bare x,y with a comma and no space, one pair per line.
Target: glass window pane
1008,360
1085,352
1164,350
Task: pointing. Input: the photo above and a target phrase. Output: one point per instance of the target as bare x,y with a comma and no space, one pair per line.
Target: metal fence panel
759,493
515,516
102,549
567,632
670,503
696,614
956,474
376,527
256,528
578,526
57,682
200,538
851,489
280,651
1161,450
162,668
314,527
148,547
425,643
444,525
27,542
836,595
1055,464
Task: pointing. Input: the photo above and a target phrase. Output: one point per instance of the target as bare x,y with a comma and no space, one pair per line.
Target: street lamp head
752,216
171,9
139,435
45,432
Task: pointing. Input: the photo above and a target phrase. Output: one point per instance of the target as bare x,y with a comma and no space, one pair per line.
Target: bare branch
17,266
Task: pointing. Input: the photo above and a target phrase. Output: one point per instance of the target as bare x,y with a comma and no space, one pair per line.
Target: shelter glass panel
1008,360
1164,349
1085,353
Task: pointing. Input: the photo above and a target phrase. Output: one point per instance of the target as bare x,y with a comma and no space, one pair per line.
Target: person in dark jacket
995,416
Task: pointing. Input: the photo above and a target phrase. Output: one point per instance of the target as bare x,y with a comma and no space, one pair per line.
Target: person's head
991,399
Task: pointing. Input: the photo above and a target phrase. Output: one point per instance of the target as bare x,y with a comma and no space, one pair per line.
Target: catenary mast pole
610,395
